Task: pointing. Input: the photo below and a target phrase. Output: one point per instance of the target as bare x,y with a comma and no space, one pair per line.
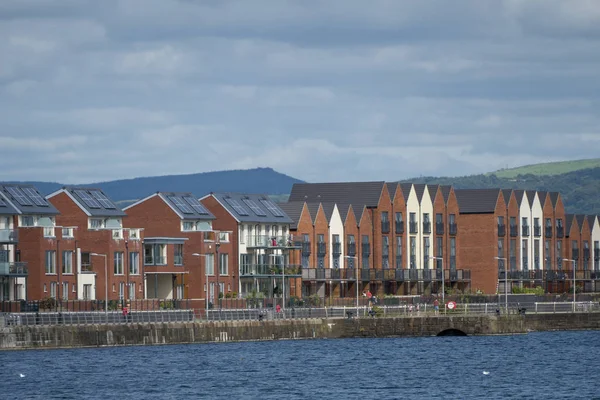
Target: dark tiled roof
313,209
507,193
530,197
26,205
293,210
191,214
591,221
580,220
446,192
406,187
104,211
391,186
419,190
358,212
344,209
519,193
228,200
328,209
432,189
477,201
367,193
554,198
569,219
542,195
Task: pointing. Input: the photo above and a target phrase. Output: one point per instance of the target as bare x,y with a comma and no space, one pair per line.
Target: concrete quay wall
71,336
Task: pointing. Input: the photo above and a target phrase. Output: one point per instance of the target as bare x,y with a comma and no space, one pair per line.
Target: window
399,223
575,249
548,256
117,233
385,222
67,232
131,291
412,218
524,254
399,252
223,236
49,232
118,261
426,223
189,226
178,254
209,262
500,220
559,262
366,251
385,252
67,261
53,290
134,234
426,253
439,252
513,254
155,254
223,264
50,262
596,255
96,223
439,218
27,220
121,290
65,290
45,288
351,245
134,263
536,254
452,253
413,252
500,248
87,291
74,290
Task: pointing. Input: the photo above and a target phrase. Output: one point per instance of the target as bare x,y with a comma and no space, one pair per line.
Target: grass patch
553,168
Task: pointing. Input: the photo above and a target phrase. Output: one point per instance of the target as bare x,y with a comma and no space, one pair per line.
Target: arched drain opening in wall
452,332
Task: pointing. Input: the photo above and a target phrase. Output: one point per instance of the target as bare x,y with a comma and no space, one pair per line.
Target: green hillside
552,168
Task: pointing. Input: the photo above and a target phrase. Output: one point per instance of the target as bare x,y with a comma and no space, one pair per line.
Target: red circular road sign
451,305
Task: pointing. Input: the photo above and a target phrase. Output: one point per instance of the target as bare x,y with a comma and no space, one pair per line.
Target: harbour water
537,365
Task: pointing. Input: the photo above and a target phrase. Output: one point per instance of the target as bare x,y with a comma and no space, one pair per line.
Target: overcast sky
337,90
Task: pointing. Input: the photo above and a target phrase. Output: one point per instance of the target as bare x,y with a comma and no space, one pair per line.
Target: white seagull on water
486,372
22,375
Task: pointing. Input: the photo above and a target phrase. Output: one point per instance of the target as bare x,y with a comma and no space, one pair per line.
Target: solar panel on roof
2,202
272,207
254,207
236,206
35,197
196,205
87,199
184,208
102,199
19,196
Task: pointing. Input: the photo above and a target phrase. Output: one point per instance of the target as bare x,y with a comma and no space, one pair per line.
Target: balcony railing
513,263
399,262
439,228
270,241
514,230
426,227
548,231
321,248
575,254
86,268
270,270
501,229
452,229
13,268
156,260
385,261
413,227
385,226
366,249
537,231
560,231
525,230
586,254
399,227
351,249
337,249
536,263
413,262
596,254
305,248
525,263
9,236
384,275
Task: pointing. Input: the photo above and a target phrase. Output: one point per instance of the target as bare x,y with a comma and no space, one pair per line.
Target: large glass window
223,264
118,262
67,262
50,262
134,263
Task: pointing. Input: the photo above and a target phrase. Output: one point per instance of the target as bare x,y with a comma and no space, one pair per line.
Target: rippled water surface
537,365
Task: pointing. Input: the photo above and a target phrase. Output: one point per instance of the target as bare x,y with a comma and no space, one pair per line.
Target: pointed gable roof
420,190
92,201
530,197
328,209
519,193
358,212
569,218
24,199
446,189
543,195
391,186
406,188
313,209
344,209
554,198
432,189
367,193
581,219
294,211
506,193
477,201
591,220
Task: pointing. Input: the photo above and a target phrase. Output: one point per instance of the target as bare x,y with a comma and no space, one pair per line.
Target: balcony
501,230
525,230
270,270
351,250
337,249
439,228
399,228
560,231
426,227
13,268
537,231
452,229
385,226
413,227
305,248
548,231
266,241
321,248
525,261
536,263
366,249
513,263
10,236
87,268
514,230
586,254
596,254
156,260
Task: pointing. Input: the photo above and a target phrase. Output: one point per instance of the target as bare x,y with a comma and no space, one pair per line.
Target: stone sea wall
69,336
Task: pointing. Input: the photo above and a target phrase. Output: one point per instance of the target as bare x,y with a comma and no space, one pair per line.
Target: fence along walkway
191,315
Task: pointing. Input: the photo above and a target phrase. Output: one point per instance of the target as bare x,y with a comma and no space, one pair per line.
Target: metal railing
9,236
266,269
14,268
271,241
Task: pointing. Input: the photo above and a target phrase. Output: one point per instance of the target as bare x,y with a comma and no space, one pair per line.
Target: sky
335,90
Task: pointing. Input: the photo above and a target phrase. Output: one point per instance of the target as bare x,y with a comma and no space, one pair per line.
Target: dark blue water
538,365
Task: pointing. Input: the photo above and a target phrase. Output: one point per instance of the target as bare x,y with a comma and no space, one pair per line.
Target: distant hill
553,168
125,191
580,189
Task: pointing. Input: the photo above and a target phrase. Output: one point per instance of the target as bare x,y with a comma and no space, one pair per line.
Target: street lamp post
356,271
105,284
574,270
505,283
443,279
205,279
